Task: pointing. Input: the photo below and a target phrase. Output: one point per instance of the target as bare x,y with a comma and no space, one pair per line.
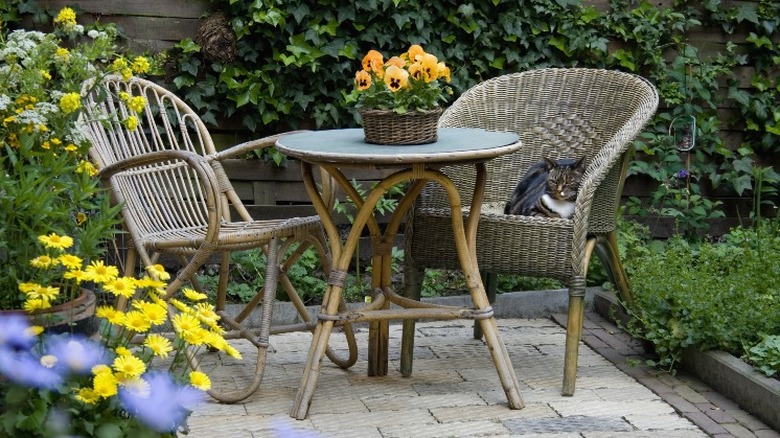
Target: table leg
465,242
311,372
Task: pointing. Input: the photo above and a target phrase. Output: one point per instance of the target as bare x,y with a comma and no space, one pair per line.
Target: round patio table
334,150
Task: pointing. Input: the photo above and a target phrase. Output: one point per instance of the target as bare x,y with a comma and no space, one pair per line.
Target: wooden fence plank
146,8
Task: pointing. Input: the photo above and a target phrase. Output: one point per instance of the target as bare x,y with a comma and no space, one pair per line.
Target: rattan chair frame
176,200
558,113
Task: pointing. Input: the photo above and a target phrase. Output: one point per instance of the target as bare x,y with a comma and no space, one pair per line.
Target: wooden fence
271,191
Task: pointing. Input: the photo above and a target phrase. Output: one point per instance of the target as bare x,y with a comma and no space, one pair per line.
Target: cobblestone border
713,412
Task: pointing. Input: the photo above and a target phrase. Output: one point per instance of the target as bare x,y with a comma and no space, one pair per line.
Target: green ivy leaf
747,12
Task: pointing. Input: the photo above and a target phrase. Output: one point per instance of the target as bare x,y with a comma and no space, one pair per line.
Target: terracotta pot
76,316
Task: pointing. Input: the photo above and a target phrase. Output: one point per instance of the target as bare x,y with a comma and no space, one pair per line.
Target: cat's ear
549,163
580,163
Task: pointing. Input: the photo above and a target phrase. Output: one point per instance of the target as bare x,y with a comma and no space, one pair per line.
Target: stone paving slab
454,391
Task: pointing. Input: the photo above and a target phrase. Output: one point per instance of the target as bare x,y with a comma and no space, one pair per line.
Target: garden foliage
294,60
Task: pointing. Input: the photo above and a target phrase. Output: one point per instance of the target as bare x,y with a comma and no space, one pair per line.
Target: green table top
346,146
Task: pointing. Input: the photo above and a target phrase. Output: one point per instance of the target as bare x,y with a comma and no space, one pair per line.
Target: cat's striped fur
549,188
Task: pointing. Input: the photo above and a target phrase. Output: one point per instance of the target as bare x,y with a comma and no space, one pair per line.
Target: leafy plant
765,356
47,183
70,385
709,295
409,82
247,276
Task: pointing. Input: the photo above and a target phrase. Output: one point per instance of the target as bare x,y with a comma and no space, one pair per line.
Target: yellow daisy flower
158,344
98,272
193,295
121,287
34,304
232,352
180,306
43,262
136,321
200,380
75,274
105,384
159,272
56,241
196,336
87,396
46,293
149,283
128,366
100,368
155,313
185,324
70,261
110,314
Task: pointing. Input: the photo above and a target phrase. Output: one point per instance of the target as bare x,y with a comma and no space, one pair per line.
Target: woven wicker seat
176,200
558,113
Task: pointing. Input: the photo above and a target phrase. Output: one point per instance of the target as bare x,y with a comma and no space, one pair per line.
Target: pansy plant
412,81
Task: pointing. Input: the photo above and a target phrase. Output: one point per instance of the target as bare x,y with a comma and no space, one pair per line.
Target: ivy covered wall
713,60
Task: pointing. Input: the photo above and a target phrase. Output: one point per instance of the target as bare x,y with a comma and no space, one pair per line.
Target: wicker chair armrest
198,163
249,146
191,158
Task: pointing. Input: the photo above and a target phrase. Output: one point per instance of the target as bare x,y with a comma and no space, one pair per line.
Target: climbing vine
295,60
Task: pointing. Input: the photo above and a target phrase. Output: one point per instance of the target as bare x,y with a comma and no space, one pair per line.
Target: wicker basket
389,127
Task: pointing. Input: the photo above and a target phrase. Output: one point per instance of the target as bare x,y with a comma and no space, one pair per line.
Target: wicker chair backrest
157,197
558,113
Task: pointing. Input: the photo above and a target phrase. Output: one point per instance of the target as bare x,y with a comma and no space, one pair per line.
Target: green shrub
712,295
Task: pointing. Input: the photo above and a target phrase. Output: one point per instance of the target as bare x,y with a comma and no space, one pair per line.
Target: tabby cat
549,188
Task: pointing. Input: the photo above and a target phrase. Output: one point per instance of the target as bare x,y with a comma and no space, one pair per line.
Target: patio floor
455,392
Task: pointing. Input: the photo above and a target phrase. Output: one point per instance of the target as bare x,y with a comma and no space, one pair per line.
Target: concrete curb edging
730,376
526,304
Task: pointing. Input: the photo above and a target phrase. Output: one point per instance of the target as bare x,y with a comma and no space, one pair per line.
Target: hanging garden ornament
683,131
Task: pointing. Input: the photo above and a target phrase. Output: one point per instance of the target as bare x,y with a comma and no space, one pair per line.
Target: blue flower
24,368
75,354
682,174
165,406
15,333
283,429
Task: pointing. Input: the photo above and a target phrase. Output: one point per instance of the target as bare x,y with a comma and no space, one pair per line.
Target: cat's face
563,181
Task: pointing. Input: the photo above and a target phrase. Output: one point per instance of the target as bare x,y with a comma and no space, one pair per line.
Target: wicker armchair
558,113
176,201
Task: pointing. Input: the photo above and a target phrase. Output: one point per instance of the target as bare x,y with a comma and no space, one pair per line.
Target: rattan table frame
334,150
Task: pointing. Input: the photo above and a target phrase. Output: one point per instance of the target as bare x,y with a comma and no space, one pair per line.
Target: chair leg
573,333
261,340
607,250
412,286
490,281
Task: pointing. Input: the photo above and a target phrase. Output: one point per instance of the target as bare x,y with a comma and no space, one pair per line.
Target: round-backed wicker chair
558,113
176,200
